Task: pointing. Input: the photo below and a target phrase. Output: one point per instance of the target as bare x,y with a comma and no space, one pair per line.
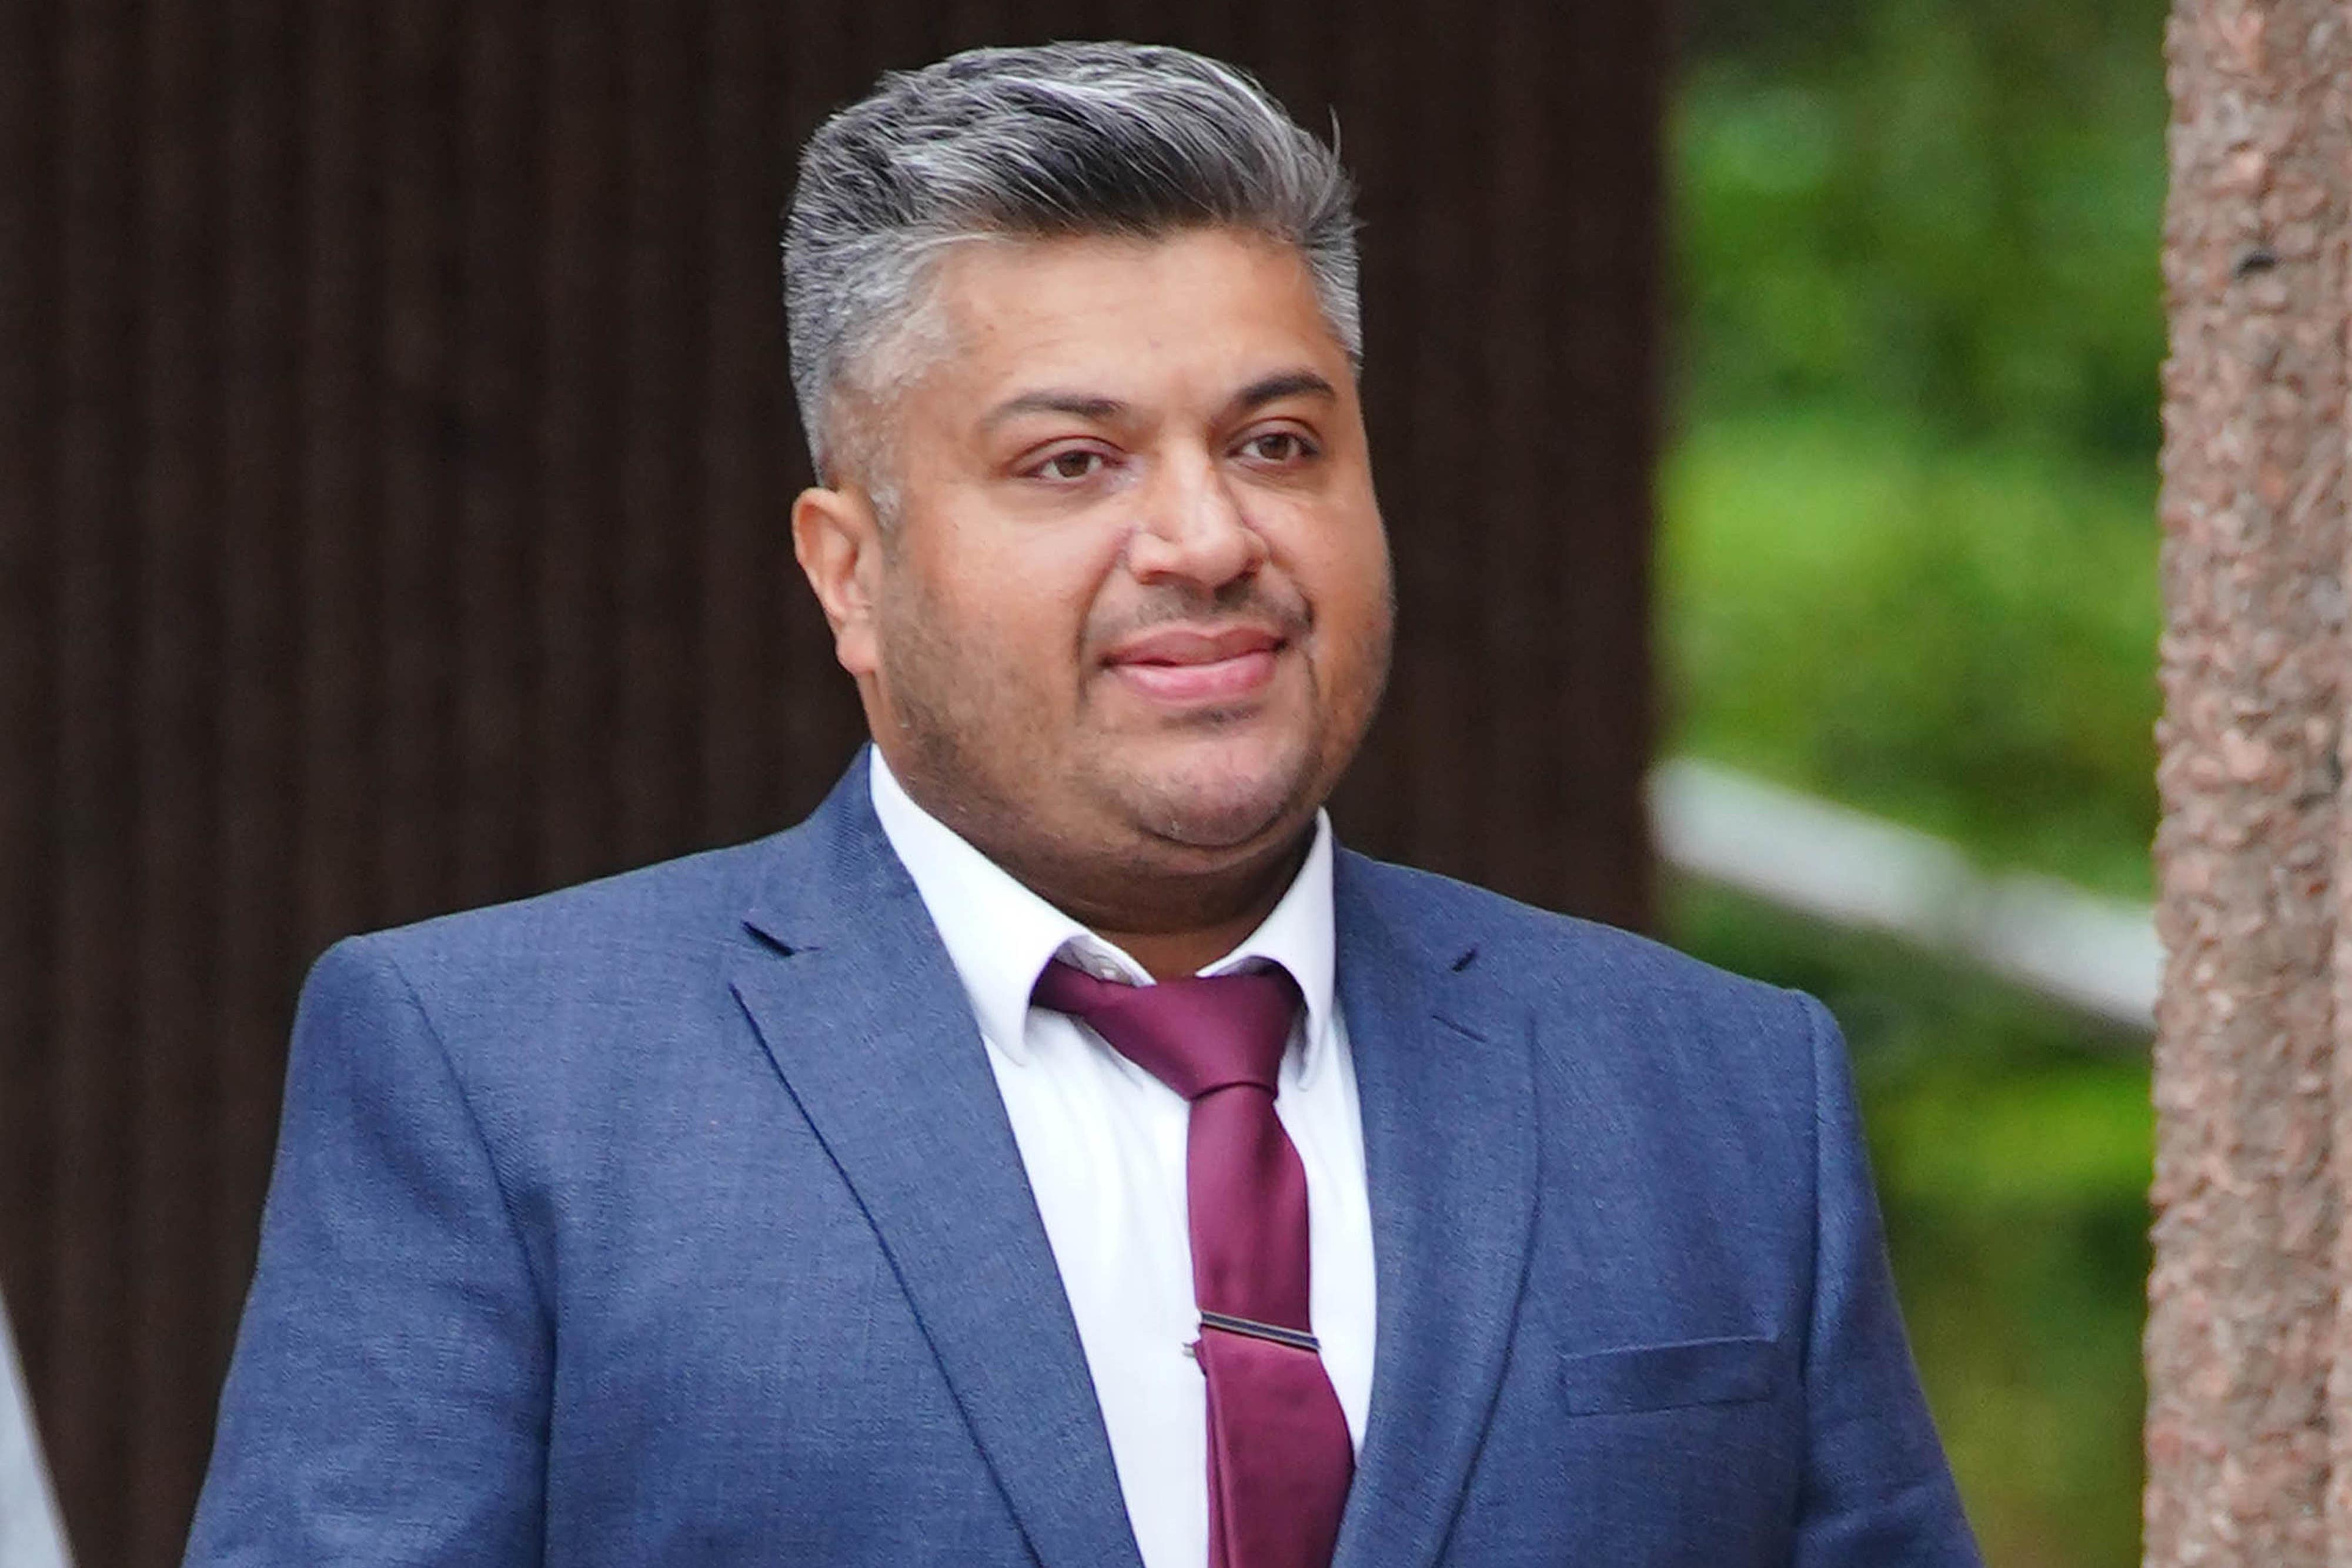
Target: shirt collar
1000,936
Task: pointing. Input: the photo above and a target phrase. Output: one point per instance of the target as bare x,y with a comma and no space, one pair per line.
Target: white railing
1848,868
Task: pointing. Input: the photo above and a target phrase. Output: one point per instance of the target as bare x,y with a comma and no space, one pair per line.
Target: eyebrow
1092,406
1280,385
1099,409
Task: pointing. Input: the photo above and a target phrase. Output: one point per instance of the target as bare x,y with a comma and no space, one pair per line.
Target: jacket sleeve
389,1396
1876,1487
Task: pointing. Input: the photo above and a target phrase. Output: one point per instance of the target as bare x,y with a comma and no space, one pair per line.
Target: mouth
1187,667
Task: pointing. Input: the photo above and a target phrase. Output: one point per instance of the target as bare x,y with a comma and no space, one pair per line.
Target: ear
839,545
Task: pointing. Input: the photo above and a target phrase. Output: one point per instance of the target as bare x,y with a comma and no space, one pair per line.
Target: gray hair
1040,142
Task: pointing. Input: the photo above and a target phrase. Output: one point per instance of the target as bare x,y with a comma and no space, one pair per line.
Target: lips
1186,665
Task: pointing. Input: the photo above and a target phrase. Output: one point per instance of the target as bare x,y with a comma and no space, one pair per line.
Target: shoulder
631,935
573,1010
1564,966
1695,1081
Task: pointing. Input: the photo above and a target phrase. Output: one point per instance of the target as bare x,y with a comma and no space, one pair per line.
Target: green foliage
1946,208
1910,511
1962,638
1908,561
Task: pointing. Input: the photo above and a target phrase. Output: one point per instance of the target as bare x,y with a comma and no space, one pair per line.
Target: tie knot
1196,1035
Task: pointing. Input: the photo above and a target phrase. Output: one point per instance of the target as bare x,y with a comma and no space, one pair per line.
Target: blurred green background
1908,563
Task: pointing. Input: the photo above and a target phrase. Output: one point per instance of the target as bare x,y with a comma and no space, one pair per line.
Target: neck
1172,924
1174,918
1171,953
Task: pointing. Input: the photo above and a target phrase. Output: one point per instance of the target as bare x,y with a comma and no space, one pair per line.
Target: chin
1222,802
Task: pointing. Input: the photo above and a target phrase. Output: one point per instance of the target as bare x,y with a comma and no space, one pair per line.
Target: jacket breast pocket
1671,1376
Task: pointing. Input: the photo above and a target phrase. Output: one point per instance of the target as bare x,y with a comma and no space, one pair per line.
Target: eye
1071,465
1277,448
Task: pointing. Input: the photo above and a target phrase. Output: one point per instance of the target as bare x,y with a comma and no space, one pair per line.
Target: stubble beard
967,752
1206,804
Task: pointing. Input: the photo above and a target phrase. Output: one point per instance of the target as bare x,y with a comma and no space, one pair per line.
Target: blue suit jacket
675,1219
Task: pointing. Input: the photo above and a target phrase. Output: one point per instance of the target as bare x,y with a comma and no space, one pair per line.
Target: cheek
1006,623
1349,583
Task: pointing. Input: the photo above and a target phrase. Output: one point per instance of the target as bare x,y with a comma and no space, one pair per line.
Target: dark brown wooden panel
394,453
31,822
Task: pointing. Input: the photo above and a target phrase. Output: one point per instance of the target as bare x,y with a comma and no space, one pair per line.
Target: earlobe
835,539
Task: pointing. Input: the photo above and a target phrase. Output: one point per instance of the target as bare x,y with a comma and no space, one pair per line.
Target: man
1055,1150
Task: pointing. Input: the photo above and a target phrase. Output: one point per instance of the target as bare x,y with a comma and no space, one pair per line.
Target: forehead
1201,309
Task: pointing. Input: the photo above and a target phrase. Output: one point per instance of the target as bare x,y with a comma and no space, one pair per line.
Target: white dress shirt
1103,1142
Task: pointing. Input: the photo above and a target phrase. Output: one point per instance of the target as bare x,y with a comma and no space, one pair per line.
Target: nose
1193,530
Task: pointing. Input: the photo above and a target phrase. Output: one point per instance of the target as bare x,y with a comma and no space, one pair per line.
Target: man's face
1134,606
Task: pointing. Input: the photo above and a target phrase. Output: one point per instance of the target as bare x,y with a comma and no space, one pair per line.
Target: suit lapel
860,1011
1443,1074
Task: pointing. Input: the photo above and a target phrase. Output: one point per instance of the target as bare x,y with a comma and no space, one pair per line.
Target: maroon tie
1279,1458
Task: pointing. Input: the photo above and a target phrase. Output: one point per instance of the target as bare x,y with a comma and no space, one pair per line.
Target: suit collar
1000,934
861,1013
1445,1079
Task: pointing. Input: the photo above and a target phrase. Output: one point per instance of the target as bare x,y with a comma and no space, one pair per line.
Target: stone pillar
2246,1464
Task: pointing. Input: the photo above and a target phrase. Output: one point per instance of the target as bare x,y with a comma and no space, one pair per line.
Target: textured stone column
2245,1466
